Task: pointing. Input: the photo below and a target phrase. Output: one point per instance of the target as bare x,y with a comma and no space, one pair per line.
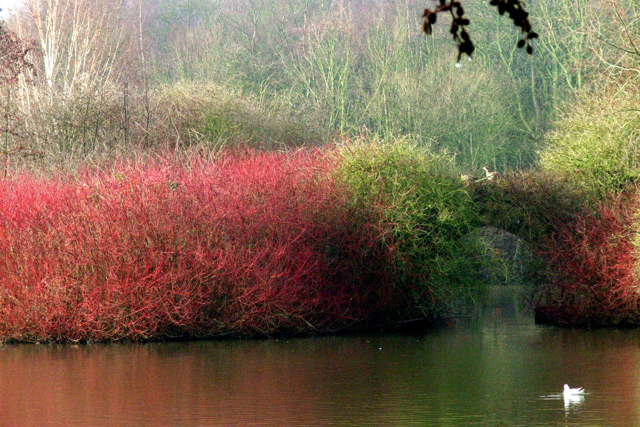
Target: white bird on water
568,391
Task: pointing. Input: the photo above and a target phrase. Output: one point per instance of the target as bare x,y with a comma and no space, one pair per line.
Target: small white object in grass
489,175
458,65
568,391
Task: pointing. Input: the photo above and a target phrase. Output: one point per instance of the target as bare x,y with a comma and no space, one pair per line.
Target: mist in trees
126,75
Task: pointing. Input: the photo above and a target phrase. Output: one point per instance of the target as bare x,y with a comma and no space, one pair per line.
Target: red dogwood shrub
595,264
253,243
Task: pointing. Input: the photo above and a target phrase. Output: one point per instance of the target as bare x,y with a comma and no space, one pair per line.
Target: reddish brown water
497,374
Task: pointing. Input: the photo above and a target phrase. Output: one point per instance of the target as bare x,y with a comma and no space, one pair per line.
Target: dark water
499,372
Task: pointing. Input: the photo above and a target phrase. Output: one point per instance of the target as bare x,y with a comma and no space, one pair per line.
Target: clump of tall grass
427,210
597,143
101,122
197,113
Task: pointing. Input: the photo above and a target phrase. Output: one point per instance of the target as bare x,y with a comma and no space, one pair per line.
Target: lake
499,370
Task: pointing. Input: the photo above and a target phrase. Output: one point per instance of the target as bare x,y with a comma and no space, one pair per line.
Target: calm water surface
500,372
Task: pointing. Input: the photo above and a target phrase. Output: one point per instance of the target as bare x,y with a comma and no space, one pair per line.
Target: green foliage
597,143
317,69
530,205
350,66
427,210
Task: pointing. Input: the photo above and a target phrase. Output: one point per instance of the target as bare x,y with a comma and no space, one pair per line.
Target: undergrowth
100,126
240,243
263,243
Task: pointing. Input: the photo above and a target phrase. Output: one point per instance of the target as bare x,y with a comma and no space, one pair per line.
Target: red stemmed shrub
595,264
254,243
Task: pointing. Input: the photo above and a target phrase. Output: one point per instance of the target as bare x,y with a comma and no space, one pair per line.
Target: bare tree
13,64
80,40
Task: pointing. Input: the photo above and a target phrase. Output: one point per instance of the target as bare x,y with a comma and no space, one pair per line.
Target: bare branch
458,29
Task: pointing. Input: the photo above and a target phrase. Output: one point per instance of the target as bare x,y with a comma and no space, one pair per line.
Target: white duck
568,391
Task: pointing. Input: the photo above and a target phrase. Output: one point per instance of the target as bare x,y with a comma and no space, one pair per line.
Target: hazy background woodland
117,77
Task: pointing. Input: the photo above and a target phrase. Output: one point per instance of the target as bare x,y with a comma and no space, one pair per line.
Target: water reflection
572,402
484,373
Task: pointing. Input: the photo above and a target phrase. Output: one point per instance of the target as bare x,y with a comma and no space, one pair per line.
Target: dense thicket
127,79
251,243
